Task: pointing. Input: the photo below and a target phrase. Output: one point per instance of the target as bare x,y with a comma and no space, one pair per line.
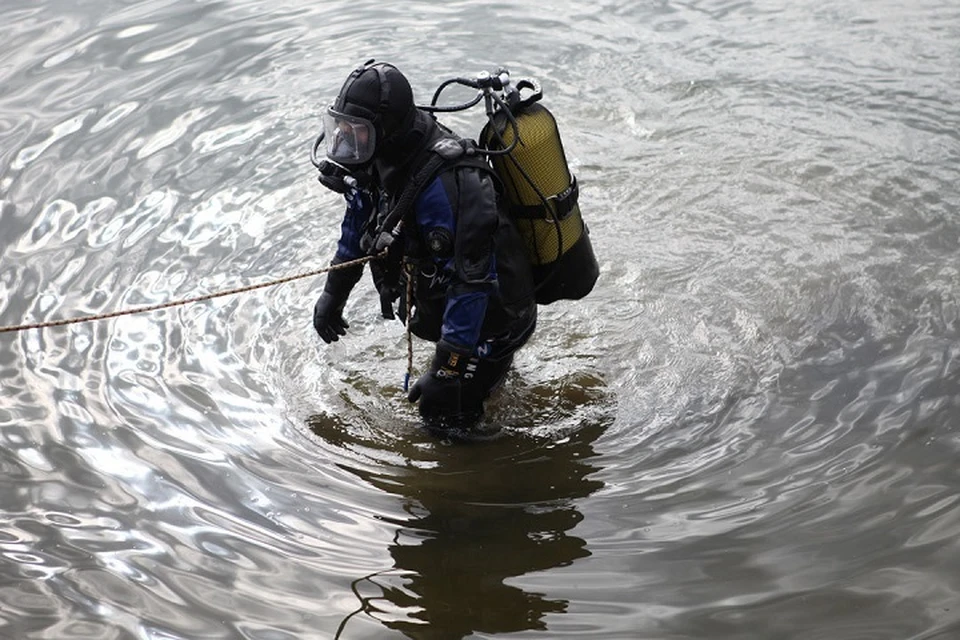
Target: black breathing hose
314,158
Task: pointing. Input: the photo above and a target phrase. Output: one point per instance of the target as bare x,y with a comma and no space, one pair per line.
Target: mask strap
384,87
382,79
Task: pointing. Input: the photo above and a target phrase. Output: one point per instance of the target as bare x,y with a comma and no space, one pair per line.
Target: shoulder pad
448,148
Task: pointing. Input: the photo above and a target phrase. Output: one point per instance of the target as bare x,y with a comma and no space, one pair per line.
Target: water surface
748,430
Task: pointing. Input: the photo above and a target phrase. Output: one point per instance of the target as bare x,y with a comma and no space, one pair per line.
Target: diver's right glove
328,311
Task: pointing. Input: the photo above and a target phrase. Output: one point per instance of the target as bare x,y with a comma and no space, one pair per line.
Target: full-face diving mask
350,140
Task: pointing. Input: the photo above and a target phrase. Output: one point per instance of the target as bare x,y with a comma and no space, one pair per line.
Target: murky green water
750,430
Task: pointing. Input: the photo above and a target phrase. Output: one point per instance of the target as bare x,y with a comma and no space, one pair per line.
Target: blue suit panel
359,209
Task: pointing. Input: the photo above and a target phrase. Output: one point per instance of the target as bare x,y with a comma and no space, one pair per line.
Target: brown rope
409,311
178,303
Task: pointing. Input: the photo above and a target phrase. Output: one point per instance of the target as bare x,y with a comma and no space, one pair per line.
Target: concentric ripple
747,430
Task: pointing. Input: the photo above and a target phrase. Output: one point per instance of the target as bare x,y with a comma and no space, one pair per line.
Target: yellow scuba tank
542,197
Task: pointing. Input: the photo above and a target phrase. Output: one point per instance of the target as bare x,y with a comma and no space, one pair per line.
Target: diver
431,210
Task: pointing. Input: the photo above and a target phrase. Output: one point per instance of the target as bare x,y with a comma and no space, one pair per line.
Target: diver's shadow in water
482,514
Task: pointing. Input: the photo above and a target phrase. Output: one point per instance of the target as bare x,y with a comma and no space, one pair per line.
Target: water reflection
772,188
478,516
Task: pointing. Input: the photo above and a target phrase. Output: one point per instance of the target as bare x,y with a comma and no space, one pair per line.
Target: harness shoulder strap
445,153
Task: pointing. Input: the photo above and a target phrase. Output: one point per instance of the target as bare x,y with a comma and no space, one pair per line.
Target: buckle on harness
566,200
557,207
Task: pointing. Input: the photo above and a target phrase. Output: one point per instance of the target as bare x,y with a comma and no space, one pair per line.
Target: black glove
328,312
438,390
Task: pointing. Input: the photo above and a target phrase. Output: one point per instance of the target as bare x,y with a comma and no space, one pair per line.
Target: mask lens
350,140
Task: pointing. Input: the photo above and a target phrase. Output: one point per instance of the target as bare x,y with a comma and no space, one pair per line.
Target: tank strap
562,204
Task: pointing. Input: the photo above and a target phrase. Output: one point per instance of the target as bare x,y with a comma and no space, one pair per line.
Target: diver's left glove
328,312
438,390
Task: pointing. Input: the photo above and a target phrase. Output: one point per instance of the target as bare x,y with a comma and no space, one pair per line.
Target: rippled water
749,429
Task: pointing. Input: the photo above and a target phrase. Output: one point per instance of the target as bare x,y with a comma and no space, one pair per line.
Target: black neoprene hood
379,92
